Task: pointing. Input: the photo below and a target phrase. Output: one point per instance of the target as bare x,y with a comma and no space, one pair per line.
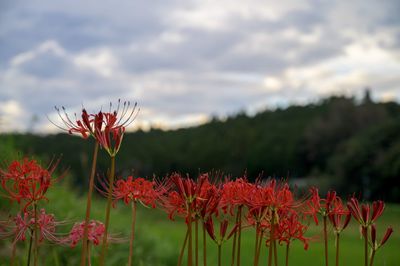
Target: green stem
275,253
14,249
88,253
234,242
371,263
88,205
325,239
260,239
183,248
365,229
30,248
196,241
271,246
239,234
36,243
219,254
337,248
190,251
130,258
204,246
287,254
108,208
256,247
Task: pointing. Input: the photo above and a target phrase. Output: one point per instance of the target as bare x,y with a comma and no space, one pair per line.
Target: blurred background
305,90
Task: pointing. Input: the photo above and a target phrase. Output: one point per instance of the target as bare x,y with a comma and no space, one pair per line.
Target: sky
186,61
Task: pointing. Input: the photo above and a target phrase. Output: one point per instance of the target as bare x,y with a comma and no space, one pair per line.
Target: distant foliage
354,145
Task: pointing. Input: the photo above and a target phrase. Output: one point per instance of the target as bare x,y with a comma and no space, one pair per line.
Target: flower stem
234,241
239,234
275,253
130,258
88,253
88,205
256,247
287,254
190,251
30,248
183,248
219,254
271,244
108,208
196,241
204,246
365,233
14,249
36,244
337,248
371,263
260,239
325,239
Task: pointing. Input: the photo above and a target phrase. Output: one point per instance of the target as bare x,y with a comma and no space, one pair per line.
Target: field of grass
158,239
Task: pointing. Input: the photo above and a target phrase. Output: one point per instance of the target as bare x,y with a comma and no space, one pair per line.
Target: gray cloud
184,61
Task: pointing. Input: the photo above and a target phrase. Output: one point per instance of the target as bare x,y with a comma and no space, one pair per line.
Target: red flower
223,227
290,228
96,231
338,223
22,225
374,243
234,194
27,181
135,189
182,196
363,213
332,204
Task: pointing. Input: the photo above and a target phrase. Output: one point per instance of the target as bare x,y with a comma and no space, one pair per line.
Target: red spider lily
234,194
110,139
290,228
374,243
362,214
22,225
27,181
182,199
95,232
82,126
122,116
338,223
132,189
332,204
223,227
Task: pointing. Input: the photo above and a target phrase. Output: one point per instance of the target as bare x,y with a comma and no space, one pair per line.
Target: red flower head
23,225
374,243
338,223
290,228
332,204
135,189
182,198
223,227
234,194
26,181
109,127
96,230
363,214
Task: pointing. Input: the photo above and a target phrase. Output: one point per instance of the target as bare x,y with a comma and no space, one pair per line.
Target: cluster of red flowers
107,128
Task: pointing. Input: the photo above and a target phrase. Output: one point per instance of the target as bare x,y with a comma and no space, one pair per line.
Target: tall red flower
290,228
95,233
26,181
22,225
362,213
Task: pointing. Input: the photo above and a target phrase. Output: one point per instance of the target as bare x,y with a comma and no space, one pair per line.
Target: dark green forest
342,143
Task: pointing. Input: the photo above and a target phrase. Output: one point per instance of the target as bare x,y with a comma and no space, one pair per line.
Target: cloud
186,61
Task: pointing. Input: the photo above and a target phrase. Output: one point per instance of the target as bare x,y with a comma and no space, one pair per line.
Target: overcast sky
184,61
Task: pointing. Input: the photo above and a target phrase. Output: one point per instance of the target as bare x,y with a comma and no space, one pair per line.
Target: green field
158,240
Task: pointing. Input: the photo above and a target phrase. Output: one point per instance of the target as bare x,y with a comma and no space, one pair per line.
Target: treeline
338,143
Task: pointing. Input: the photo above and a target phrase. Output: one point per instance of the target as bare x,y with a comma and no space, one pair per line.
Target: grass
158,239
